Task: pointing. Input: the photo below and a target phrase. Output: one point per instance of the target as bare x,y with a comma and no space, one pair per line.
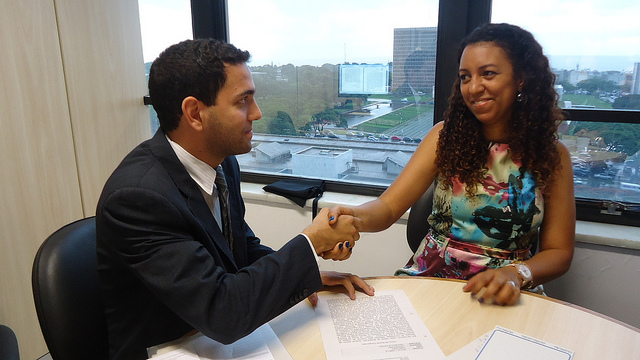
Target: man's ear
191,108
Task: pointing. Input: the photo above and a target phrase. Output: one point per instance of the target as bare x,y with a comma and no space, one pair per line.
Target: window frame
210,20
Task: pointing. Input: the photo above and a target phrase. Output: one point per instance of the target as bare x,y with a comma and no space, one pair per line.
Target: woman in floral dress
504,210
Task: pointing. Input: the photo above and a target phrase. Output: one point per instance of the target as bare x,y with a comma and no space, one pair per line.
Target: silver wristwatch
524,273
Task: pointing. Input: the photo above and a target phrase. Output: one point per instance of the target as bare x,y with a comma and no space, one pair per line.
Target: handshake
334,232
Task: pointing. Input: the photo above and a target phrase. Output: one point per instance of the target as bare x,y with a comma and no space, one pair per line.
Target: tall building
414,60
635,82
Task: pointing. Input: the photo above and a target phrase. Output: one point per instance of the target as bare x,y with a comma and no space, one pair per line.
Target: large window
594,49
162,23
346,87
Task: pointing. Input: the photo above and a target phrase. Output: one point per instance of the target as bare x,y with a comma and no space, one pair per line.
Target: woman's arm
557,237
413,181
557,232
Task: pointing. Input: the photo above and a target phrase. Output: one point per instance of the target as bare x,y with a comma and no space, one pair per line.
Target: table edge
525,293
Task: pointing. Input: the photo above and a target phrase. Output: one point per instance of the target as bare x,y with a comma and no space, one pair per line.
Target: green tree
307,127
301,92
567,86
594,85
625,137
282,124
627,102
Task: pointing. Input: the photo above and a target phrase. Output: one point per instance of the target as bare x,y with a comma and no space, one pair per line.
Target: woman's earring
519,97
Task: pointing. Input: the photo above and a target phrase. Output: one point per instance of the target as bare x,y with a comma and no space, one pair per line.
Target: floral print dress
495,227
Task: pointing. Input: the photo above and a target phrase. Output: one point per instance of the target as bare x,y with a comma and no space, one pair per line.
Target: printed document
381,327
505,344
262,344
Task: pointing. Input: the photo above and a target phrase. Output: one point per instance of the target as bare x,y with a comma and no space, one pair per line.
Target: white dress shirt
205,176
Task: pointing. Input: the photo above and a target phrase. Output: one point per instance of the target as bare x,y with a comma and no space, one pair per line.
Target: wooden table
455,319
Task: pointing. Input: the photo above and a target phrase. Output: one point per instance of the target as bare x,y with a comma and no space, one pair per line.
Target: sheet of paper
505,344
262,344
471,350
180,354
384,326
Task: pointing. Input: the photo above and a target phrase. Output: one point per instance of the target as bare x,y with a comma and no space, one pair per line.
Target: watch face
524,270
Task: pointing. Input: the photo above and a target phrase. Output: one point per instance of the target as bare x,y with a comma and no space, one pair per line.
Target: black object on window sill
298,191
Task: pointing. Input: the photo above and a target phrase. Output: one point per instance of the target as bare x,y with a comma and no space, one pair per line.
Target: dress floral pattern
496,226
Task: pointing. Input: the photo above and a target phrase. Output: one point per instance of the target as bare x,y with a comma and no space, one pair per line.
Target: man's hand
349,281
325,236
343,250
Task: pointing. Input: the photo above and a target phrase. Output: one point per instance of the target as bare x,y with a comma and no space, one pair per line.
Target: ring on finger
510,282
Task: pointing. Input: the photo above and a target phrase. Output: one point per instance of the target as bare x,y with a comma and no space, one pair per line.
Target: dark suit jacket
166,268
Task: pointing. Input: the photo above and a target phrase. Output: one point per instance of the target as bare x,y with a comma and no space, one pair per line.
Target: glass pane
162,23
345,87
594,49
606,159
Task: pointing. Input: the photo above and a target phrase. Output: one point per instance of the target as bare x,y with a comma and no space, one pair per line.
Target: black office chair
66,291
8,344
417,225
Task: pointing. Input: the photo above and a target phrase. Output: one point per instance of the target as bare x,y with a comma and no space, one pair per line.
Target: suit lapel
162,150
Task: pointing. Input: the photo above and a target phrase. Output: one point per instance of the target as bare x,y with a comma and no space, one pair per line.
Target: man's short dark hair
190,68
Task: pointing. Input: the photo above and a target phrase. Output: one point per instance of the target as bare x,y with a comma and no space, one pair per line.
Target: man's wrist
313,249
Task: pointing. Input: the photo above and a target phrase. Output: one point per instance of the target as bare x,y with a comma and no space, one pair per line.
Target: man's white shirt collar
205,176
202,173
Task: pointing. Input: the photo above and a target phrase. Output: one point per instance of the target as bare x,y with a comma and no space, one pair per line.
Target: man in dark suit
168,262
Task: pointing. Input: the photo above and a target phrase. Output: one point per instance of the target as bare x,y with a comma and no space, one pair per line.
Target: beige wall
603,278
104,72
72,82
275,220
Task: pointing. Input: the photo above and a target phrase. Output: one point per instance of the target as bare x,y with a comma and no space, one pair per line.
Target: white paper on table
384,326
180,354
262,344
505,344
471,350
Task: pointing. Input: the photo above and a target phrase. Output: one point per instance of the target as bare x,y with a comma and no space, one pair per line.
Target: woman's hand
500,286
341,251
349,281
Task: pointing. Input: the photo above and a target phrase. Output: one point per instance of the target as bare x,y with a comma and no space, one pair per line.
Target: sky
592,34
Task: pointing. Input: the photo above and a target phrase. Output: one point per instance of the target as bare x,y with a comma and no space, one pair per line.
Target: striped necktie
223,195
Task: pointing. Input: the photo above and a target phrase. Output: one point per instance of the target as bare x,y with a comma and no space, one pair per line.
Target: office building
635,81
322,162
414,60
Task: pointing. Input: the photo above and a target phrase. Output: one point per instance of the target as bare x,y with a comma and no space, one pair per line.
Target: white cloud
332,31
300,32
163,23
576,27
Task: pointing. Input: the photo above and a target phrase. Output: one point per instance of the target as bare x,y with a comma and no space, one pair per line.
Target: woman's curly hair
462,147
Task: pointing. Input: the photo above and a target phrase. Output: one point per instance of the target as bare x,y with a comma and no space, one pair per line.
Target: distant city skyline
599,63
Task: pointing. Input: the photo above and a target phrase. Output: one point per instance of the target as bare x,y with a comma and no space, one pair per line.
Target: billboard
363,79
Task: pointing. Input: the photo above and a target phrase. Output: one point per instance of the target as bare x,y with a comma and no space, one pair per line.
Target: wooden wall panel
72,82
38,177
104,71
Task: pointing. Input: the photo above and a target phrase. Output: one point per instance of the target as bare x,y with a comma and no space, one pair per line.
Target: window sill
618,236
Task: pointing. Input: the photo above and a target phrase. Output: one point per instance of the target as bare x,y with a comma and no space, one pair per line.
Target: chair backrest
66,290
8,344
417,225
